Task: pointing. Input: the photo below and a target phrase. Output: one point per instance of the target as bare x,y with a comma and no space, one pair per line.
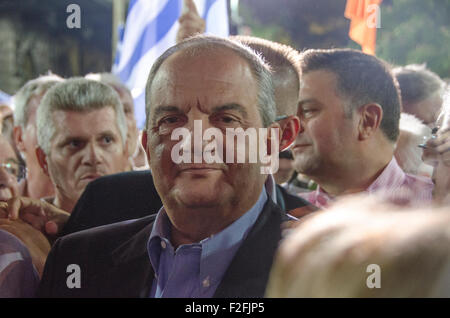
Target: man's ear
290,128
144,144
42,159
18,138
371,116
273,140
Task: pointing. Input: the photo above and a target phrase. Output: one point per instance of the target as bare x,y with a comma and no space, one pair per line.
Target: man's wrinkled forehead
186,67
184,73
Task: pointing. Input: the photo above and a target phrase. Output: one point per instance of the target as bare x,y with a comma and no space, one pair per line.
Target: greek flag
150,29
5,98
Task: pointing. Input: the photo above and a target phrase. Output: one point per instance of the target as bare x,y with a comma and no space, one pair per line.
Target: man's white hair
79,95
110,79
34,87
413,132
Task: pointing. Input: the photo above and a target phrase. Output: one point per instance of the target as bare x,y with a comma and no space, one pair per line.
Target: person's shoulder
120,178
107,236
10,243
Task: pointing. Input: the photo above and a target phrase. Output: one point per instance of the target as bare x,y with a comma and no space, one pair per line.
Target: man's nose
195,144
302,126
92,154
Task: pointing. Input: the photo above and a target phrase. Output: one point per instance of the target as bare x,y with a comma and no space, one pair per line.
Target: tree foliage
412,31
416,31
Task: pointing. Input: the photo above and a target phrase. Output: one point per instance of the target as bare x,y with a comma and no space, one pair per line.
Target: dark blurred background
34,37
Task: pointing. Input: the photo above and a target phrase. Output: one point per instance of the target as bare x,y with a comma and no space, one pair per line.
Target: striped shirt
393,185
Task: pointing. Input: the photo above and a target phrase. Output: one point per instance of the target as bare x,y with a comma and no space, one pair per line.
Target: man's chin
199,193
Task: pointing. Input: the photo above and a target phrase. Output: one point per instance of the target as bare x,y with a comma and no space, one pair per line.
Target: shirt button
163,244
205,282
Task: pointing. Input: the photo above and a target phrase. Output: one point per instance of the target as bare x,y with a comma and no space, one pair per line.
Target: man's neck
63,203
354,180
201,227
38,184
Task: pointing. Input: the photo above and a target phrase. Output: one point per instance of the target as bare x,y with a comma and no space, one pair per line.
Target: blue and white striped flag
5,98
150,29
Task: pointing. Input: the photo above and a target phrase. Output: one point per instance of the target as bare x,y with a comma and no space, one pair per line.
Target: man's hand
41,215
439,145
190,22
34,240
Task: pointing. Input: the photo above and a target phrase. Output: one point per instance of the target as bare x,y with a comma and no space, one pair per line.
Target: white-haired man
26,101
82,136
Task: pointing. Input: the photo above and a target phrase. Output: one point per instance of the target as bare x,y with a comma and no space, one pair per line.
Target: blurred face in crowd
219,89
9,170
128,108
286,92
29,142
85,146
428,109
324,142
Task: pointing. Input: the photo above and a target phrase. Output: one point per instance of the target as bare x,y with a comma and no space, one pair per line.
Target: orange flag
364,15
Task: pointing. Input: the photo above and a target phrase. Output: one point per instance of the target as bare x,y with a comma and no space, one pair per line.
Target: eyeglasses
14,169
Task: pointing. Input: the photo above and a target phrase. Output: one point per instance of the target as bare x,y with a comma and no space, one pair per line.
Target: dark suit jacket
132,195
114,198
114,262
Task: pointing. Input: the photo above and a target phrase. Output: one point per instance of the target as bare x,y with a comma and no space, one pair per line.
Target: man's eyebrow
165,109
70,138
108,132
232,106
308,101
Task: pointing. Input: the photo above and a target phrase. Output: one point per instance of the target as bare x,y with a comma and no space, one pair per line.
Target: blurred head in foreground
363,248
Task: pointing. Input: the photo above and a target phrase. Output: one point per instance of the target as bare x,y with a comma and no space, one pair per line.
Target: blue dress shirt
196,270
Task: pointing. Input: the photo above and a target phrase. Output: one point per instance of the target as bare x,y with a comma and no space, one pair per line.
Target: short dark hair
362,79
417,82
282,59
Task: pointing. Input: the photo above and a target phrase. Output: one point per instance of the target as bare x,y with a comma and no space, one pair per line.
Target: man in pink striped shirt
349,111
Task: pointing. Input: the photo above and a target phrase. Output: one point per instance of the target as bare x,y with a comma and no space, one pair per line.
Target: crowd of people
363,178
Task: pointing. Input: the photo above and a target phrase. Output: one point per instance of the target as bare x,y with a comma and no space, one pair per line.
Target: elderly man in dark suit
217,231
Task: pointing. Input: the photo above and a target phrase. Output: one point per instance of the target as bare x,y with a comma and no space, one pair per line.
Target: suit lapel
131,273
248,272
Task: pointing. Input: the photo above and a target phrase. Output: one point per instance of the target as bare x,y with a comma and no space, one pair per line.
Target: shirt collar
270,186
217,250
392,177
